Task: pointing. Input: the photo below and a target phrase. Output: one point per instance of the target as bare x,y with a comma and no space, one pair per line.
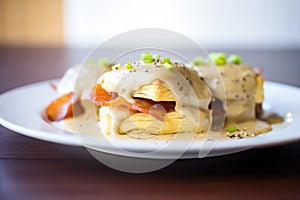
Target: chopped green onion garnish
116,66
146,57
231,129
235,59
166,60
90,61
156,57
218,58
104,62
128,65
168,66
197,61
212,55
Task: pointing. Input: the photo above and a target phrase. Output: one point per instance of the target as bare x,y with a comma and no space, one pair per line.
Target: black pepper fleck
187,96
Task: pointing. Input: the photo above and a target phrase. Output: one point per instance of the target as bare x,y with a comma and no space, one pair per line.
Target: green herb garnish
146,57
168,66
128,66
90,61
197,61
166,60
218,58
231,129
104,62
235,59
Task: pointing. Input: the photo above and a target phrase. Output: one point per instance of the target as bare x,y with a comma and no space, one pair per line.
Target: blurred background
61,33
241,24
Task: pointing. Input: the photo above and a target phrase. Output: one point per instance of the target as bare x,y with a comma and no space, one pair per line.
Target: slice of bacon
147,106
157,109
101,97
63,107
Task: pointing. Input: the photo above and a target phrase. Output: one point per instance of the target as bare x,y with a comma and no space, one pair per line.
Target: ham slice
157,109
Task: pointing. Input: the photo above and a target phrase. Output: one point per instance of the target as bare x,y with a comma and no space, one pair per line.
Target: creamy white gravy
182,81
87,124
250,127
239,83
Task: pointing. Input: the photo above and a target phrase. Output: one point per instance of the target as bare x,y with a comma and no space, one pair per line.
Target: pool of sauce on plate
87,124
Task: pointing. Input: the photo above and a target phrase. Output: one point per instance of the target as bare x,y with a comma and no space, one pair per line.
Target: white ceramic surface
21,110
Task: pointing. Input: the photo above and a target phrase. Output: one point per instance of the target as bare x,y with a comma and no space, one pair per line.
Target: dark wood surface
34,169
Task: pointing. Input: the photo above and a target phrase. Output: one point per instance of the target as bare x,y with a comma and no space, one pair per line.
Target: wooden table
34,169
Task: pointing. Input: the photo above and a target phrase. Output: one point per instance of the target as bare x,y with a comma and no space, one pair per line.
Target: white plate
21,110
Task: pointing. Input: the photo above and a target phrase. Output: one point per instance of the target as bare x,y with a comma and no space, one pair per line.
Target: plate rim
69,139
